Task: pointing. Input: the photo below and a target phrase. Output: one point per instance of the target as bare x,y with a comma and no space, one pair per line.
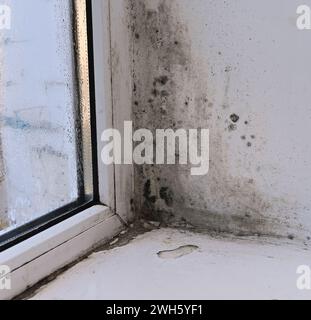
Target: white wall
222,58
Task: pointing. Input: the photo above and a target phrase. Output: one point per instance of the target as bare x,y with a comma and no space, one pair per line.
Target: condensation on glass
44,110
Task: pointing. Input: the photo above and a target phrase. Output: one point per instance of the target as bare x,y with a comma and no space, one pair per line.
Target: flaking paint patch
177,253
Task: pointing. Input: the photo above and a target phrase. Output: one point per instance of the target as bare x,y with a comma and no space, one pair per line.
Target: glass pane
38,151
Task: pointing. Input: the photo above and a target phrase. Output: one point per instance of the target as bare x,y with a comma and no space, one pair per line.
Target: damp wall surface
241,69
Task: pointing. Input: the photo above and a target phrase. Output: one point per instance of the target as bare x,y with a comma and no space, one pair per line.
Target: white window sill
151,267
47,252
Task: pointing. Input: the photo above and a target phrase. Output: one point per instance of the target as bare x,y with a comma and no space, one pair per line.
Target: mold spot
164,94
249,144
132,206
232,127
155,92
228,69
163,80
234,118
167,195
147,192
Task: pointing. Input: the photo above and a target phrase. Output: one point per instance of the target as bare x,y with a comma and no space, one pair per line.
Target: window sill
53,249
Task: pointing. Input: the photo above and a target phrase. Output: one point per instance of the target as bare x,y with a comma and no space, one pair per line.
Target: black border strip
49,220
93,124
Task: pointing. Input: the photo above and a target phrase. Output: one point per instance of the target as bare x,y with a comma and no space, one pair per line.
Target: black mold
165,74
161,80
234,118
147,193
232,127
167,195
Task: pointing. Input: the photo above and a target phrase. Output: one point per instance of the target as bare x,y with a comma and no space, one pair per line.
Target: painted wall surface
37,107
241,69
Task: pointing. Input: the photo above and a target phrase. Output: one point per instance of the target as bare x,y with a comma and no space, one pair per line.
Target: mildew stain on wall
177,86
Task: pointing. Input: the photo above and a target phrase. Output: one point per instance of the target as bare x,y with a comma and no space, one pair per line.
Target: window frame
85,112
76,232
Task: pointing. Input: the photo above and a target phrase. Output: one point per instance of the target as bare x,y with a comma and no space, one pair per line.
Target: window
46,154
